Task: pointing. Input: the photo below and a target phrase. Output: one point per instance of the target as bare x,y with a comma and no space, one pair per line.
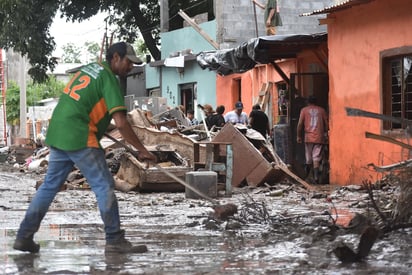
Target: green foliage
93,51
25,25
34,92
71,53
49,89
141,49
13,103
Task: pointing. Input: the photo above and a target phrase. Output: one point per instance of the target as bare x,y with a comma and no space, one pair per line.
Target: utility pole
3,97
23,112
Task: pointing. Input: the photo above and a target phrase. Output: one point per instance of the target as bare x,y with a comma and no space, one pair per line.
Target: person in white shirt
237,116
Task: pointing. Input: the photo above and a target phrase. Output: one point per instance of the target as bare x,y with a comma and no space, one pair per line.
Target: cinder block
204,181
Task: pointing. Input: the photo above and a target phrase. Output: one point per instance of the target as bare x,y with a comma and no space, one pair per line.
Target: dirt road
182,239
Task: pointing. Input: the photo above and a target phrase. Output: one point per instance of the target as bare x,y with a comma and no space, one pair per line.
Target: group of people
215,120
312,128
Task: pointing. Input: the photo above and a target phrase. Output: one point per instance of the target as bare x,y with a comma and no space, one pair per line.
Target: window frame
386,56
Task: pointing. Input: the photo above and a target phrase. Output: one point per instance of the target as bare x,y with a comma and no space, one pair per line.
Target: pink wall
356,36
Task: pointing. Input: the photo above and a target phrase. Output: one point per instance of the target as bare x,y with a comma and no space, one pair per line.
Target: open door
188,95
303,85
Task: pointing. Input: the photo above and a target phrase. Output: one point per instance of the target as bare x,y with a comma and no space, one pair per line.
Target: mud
294,237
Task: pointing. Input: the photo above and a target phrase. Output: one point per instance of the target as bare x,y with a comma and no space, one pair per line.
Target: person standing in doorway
259,121
90,100
271,16
237,116
313,121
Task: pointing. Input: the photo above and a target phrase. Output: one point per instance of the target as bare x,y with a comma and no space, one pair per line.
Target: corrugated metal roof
338,7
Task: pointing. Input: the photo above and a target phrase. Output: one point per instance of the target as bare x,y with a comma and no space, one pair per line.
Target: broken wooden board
135,175
388,139
248,162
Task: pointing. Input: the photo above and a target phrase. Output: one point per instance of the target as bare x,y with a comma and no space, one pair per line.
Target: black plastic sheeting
261,50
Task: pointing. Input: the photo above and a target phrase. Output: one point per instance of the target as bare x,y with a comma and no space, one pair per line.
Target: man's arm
130,136
258,4
270,16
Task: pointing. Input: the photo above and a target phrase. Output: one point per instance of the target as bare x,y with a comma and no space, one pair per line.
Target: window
397,87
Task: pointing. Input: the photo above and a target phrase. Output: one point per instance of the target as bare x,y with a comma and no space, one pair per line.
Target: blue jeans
92,163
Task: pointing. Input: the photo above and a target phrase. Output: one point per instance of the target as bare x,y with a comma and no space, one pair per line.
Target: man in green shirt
88,103
272,16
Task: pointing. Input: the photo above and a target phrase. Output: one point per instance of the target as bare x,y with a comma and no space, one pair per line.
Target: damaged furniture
249,164
218,158
140,176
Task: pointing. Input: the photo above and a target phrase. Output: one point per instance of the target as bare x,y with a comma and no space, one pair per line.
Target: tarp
261,50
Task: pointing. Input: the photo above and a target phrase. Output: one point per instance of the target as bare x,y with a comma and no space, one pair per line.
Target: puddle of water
72,238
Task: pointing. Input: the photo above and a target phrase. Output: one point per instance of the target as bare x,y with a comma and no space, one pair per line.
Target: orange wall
355,38
251,83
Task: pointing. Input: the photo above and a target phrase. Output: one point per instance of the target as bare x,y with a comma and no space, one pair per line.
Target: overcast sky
91,30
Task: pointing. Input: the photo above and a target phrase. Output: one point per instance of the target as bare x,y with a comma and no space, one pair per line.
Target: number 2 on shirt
71,91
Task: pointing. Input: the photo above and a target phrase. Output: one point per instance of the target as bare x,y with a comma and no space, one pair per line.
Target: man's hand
144,156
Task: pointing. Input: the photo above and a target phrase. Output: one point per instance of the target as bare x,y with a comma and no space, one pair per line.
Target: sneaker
124,246
26,245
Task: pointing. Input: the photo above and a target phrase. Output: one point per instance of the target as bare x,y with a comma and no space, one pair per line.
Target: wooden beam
323,64
280,72
358,112
325,21
388,139
192,23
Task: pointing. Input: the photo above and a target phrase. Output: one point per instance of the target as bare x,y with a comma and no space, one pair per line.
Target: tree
141,49
71,53
24,25
52,88
92,51
13,103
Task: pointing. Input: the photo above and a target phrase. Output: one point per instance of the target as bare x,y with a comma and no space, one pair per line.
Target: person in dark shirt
259,121
217,119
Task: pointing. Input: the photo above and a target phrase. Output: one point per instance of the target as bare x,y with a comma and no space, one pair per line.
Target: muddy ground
283,229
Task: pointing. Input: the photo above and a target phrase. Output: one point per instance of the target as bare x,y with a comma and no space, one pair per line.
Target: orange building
370,52
365,64
277,70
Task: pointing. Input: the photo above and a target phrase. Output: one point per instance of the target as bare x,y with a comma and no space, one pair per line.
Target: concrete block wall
290,11
236,20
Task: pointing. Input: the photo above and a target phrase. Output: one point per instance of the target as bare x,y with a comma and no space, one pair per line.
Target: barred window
397,88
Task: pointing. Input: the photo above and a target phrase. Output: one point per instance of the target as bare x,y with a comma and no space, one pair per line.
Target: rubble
169,137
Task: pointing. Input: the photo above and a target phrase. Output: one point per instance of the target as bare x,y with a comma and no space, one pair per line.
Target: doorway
188,95
303,85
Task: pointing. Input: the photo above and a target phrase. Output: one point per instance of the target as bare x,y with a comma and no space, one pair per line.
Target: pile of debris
169,137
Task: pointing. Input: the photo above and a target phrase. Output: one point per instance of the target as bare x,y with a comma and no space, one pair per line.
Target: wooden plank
359,112
192,23
295,177
390,167
267,96
388,139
